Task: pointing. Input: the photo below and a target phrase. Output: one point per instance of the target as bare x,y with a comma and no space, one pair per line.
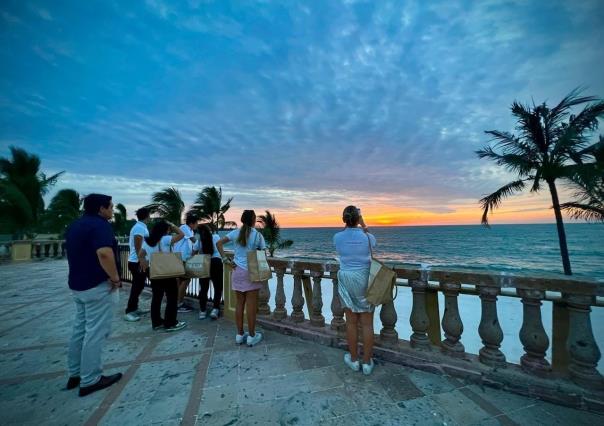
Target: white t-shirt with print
139,228
185,246
164,245
254,242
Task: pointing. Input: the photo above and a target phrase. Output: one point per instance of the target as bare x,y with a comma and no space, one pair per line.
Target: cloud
286,101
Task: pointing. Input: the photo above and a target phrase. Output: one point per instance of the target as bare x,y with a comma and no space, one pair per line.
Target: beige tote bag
198,266
257,264
166,265
382,280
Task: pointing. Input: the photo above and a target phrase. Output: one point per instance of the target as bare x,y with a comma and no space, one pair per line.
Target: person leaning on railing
352,246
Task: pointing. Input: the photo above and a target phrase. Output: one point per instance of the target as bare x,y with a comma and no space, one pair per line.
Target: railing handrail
544,282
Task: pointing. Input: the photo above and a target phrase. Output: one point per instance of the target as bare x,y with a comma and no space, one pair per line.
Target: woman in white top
353,248
244,240
159,240
207,245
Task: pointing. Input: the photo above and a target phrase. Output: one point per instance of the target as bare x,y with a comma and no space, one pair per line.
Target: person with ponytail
244,239
352,245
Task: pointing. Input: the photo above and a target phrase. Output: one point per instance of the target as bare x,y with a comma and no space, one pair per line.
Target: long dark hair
248,219
159,230
207,245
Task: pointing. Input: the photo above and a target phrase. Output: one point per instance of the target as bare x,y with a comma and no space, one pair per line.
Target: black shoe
73,382
103,383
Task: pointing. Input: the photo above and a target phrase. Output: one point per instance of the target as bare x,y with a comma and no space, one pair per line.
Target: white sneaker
254,340
202,315
354,365
131,317
215,313
241,338
368,368
178,326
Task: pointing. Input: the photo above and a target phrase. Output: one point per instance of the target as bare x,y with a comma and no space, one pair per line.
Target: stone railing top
543,282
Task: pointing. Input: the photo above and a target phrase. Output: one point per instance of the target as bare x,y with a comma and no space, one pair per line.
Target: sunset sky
297,107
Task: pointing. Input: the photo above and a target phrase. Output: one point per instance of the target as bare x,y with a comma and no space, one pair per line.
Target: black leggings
170,288
204,285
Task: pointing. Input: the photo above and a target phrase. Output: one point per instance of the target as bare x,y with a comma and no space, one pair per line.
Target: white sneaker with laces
254,340
202,315
131,317
241,338
354,365
368,368
215,313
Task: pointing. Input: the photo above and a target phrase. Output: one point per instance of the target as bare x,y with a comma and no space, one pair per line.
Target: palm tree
271,231
63,209
22,187
168,204
541,152
121,224
587,179
208,206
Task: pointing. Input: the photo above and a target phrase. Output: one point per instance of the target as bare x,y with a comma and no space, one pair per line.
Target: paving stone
309,360
462,409
504,401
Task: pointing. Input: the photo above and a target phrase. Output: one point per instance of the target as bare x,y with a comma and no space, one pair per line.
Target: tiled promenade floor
199,376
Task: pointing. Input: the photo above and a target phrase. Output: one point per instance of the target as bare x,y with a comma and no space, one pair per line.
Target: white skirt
352,288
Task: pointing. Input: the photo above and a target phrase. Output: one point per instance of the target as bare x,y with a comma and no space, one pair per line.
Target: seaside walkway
199,376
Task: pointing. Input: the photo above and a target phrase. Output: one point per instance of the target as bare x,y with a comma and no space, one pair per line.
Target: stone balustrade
577,358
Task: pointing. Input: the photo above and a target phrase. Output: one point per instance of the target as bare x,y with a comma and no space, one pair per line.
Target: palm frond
561,111
587,212
493,201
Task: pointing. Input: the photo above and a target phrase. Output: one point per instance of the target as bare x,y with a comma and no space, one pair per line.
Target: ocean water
526,248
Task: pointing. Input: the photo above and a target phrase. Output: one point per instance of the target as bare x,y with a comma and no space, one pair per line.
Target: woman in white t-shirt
244,240
354,246
207,245
159,240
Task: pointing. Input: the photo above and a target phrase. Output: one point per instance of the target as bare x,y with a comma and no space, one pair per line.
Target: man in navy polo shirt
93,275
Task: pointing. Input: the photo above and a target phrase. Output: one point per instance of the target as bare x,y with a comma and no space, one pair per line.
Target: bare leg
251,304
352,320
367,324
239,311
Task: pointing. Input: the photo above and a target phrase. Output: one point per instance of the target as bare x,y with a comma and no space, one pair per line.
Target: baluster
489,329
297,314
38,249
46,250
316,317
63,249
419,317
263,297
451,322
582,347
55,249
280,313
337,323
388,317
532,334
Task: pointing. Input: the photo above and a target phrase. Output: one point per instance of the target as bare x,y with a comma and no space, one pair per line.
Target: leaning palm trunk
560,226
